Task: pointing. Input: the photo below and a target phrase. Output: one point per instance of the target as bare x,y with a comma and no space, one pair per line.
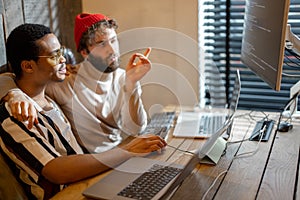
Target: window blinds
222,34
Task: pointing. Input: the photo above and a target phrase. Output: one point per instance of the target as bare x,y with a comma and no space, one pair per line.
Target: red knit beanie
83,22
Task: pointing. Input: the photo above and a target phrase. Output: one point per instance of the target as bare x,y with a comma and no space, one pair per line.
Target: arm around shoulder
6,84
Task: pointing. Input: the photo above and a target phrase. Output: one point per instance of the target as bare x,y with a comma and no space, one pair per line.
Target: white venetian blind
222,29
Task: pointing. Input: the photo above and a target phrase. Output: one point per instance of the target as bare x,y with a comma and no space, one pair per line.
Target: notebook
113,186
203,124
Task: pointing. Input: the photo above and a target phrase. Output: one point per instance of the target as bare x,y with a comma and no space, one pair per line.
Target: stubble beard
102,65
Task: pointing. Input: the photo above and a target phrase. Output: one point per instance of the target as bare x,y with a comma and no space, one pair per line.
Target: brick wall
57,14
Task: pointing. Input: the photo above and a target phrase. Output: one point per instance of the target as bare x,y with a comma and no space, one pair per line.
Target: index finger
32,117
147,52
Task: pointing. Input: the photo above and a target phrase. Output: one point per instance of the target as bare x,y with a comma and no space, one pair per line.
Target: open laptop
116,185
204,124
134,173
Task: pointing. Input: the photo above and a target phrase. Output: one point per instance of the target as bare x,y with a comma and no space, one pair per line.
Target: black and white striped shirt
30,150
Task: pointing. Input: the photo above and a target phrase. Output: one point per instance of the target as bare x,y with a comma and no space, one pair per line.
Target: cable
190,152
238,141
287,105
214,182
252,117
247,139
235,157
257,146
178,149
239,155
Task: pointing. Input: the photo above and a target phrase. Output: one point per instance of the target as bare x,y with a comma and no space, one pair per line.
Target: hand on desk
145,144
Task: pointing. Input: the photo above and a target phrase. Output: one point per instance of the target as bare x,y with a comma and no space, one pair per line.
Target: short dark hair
89,35
21,45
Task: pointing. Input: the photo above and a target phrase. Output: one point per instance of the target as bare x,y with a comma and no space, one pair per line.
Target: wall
170,28
57,14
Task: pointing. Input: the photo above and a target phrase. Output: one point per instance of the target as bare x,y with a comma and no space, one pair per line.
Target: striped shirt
30,150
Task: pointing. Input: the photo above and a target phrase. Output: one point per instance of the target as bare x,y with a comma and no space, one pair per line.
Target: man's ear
26,66
84,53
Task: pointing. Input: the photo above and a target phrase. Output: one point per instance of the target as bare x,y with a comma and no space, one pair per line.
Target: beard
102,64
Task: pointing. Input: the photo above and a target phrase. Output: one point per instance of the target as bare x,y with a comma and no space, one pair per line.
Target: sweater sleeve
133,114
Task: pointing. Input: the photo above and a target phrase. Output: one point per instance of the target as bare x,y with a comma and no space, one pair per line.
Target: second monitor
263,41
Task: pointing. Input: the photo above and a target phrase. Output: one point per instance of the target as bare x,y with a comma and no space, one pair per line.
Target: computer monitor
263,41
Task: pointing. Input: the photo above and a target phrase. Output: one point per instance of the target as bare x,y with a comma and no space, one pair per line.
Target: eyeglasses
56,55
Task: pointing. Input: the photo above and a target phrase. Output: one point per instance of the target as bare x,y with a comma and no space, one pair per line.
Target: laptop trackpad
107,188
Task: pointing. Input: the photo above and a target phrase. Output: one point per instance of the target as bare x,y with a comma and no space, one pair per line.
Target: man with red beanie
101,100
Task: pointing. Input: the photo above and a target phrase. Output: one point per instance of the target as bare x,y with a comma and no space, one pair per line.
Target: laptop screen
235,95
187,170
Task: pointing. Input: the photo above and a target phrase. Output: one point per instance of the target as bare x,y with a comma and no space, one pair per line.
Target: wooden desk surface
248,170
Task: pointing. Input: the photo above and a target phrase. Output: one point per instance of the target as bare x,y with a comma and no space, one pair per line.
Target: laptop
136,171
204,124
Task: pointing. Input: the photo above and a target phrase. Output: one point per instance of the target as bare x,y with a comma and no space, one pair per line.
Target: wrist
130,86
125,152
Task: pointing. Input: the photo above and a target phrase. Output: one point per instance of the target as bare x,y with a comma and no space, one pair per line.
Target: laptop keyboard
211,123
160,124
150,183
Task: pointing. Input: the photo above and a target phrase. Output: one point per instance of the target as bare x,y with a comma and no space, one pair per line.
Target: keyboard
160,123
150,183
256,133
211,123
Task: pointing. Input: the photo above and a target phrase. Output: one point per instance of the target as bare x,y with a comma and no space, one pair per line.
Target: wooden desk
271,172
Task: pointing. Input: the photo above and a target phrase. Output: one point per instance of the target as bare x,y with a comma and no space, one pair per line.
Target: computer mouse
284,126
